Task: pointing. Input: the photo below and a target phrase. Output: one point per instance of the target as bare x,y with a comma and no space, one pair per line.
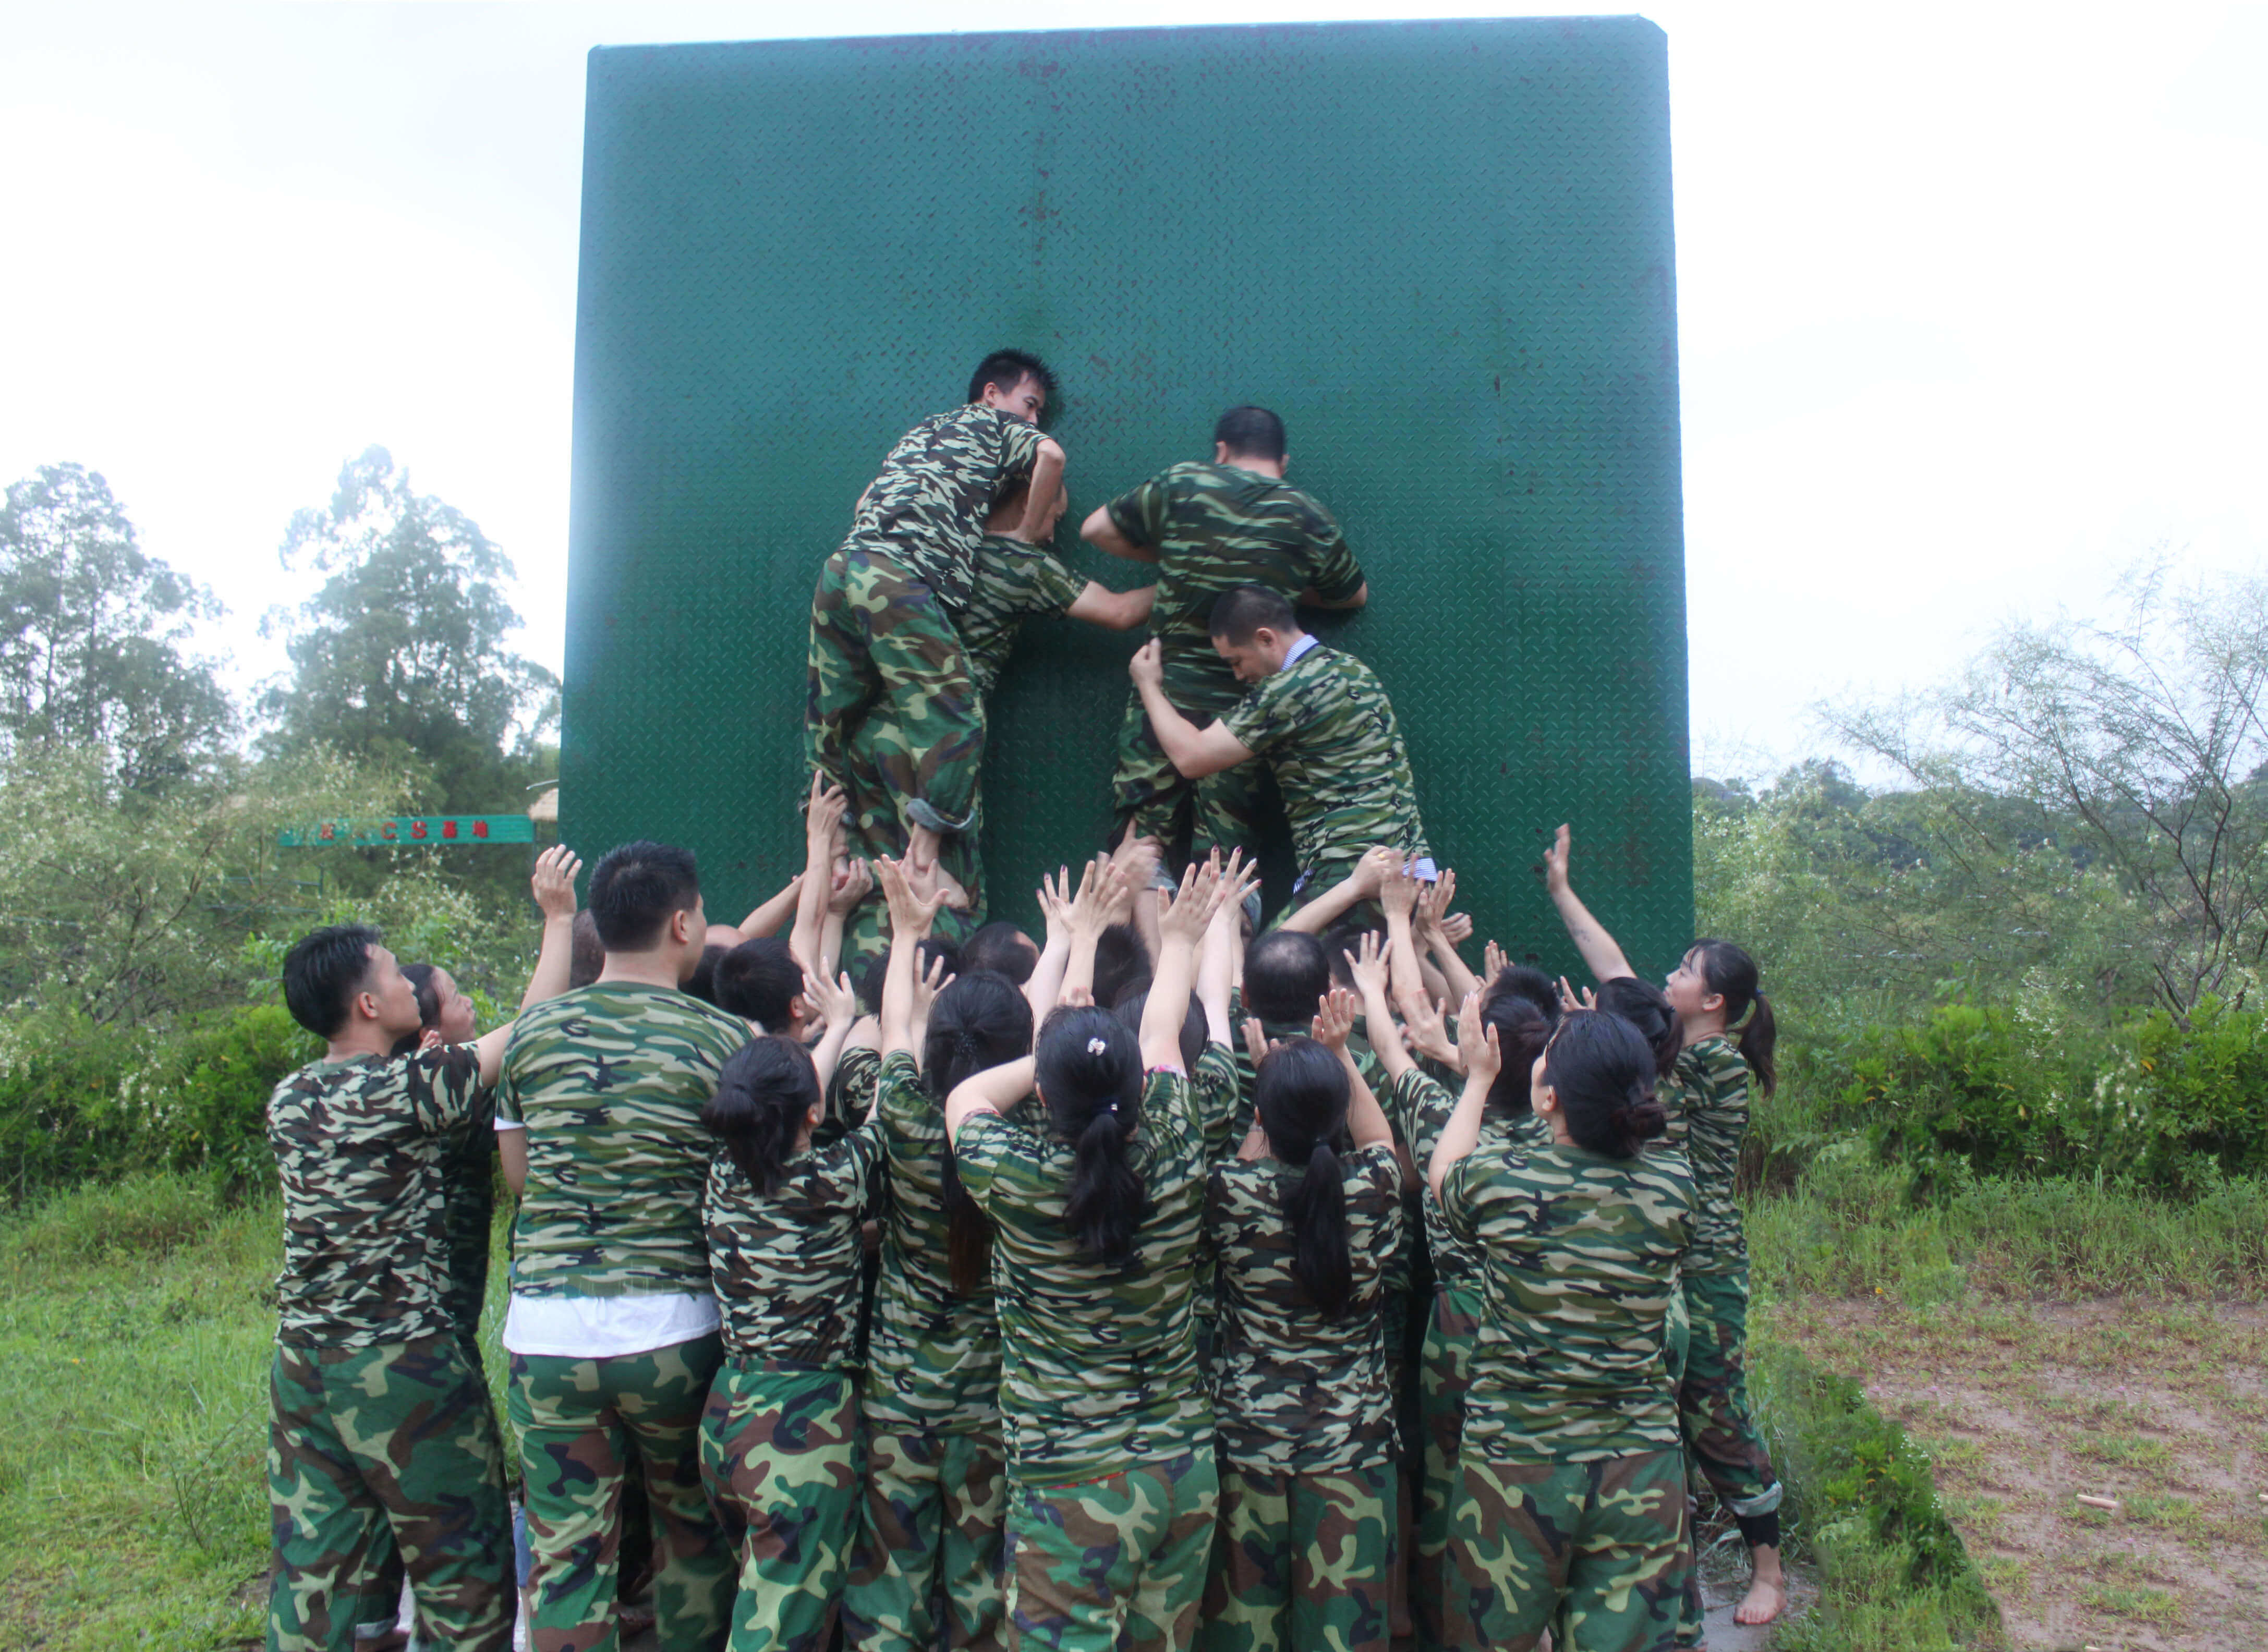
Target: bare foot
1767,1596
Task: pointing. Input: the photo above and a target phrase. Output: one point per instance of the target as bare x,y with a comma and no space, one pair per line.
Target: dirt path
2161,1409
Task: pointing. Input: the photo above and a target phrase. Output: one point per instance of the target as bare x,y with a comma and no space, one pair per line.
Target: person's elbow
1049,449
1099,529
1361,596
1127,609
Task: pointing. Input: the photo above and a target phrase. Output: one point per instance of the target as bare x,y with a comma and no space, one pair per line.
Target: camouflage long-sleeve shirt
1328,731
926,510
1099,1368
1013,582
1580,1257
1293,1391
786,1264
1706,1096
932,1356
358,1147
609,1081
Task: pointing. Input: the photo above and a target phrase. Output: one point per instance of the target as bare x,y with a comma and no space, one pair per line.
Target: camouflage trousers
779,1454
583,1426
871,827
1152,799
931,1526
1605,1543
1303,1562
886,660
1436,1603
1712,1398
373,1452
468,1211
1117,1565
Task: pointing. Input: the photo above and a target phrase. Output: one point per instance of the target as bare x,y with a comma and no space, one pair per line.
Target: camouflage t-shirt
1014,581
927,508
609,1081
1579,1258
1215,528
1100,1367
1706,1096
786,1264
1328,731
851,1092
358,1146
933,1357
1224,1113
1296,1392
1420,1109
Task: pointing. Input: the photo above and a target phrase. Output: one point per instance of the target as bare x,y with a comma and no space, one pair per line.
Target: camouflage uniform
1214,527
381,1440
608,1081
884,645
1109,1432
1307,1420
1328,733
1572,1492
468,1200
932,1408
1225,1110
779,1443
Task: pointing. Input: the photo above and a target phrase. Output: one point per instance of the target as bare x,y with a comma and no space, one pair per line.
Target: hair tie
1097,1047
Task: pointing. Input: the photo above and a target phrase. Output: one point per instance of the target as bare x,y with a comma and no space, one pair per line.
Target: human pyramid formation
1149,1281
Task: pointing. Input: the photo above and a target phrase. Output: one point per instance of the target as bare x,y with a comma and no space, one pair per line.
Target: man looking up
885,646
1321,720
1211,527
613,1330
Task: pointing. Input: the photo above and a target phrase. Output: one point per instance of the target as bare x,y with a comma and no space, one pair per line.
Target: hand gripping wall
1441,251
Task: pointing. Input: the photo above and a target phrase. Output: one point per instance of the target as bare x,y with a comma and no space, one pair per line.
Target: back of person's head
323,971
1300,1093
1194,1027
1602,1072
1006,369
702,984
1647,1007
876,969
1341,941
1523,981
1284,973
1003,948
1089,1068
760,980
764,1100
422,982
588,954
1251,432
1244,610
1122,963
1521,1032
635,890
981,1021
1729,969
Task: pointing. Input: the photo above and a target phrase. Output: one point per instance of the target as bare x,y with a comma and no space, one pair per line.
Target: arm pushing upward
1194,752
1599,948
1046,479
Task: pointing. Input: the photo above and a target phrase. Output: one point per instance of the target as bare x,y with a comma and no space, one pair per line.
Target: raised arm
1044,988
1114,610
839,1003
1590,937
1194,752
1099,888
768,918
910,918
1399,896
1216,968
1180,927
1482,1061
1100,531
1367,964
1434,920
1335,1014
994,1090
1046,482
553,884
845,889
822,813
1350,891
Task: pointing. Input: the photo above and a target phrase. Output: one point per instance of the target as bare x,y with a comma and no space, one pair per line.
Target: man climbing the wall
885,643
1321,721
1210,528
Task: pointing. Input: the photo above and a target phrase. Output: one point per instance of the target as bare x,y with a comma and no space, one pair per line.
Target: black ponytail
1301,1092
1729,971
980,1021
1602,1071
764,1097
1647,1007
1089,1067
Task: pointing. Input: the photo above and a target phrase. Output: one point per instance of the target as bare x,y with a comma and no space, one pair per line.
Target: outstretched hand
1433,901
1200,895
1334,1022
1427,1029
1554,861
836,1004
1493,962
911,913
1367,964
1399,895
1376,866
1256,1041
849,886
1569,1001
553,881
822,811
1477,1042
927,985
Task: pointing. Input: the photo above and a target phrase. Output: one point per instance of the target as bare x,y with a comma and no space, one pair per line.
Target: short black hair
323,971
702,984
876,969
758,980
1239,612
1002,948
1009,368
1345,939
1249,432
1121,964
635,887
1284,974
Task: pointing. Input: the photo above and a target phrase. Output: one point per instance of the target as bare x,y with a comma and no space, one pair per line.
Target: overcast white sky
1971,297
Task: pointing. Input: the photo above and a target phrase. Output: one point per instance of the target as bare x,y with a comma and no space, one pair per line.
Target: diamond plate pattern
1441,251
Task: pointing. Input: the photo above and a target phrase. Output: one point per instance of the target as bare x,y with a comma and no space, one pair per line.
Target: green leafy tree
404,657
94,638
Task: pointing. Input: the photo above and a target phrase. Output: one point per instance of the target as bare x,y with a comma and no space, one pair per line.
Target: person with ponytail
931,1525
1305,1218
1573,1489
1098,1207
1727,1036
779,1438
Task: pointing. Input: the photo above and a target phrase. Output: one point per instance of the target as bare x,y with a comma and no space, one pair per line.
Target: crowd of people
1187,1269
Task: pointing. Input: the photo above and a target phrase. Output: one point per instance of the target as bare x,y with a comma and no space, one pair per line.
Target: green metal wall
1441,251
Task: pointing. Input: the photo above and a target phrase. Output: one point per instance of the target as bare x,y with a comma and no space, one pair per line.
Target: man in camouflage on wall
886,649
1210,528
1321,721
